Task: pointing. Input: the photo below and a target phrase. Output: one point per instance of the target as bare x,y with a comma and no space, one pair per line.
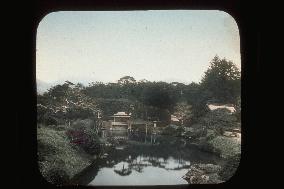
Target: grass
226,146
58,161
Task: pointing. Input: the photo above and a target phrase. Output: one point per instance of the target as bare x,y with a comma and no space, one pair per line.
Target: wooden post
113,122
146,129
146,133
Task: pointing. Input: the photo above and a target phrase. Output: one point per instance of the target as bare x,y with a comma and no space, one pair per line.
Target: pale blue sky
174,45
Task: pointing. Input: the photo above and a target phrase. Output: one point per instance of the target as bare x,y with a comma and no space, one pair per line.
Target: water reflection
145,160
122,169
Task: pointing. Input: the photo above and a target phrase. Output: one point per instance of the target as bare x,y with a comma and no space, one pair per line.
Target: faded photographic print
130,98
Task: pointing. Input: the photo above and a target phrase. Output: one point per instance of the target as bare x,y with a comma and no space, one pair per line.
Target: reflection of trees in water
138,164
123,171
159,155
155,162
162,151
138,167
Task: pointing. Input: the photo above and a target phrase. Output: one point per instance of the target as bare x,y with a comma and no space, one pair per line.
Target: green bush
225,146
219,120
58,160
169,130
82,134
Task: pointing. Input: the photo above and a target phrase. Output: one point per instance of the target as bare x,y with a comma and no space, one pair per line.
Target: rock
208,168
203,174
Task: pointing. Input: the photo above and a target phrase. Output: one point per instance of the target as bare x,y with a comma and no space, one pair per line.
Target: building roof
174,118
231,108
120,114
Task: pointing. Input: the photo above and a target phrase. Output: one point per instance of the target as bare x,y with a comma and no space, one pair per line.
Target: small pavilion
120,119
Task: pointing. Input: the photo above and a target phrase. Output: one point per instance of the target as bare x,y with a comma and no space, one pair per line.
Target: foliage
58,160
82,134
225,146
143,99
67,115
184,112
158,95
222,81
173,130
219,120
65,102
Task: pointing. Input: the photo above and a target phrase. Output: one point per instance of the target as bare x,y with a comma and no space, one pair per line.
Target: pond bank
168,158
198,173
64,151
63,162
58,160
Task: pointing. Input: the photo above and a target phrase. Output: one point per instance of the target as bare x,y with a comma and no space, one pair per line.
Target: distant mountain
42,86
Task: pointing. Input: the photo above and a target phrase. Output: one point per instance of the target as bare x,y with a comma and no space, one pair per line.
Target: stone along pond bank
218,132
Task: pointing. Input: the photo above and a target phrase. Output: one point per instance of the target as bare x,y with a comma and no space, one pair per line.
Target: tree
183,111
65,102
222,81
158,95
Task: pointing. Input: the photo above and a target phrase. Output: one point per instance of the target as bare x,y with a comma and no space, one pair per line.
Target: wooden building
121,121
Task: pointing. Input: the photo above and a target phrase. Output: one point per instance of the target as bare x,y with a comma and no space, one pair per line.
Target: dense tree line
144,99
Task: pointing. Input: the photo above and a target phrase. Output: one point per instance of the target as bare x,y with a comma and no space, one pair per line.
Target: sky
173,45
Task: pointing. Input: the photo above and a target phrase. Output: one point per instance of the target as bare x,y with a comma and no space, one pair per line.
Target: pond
140,159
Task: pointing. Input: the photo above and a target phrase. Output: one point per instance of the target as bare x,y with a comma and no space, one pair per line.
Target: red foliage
77,137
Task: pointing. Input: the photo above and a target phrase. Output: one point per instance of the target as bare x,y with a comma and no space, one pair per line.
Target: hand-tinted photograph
131,98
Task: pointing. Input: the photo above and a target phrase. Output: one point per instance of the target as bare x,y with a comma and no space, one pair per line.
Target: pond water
139,159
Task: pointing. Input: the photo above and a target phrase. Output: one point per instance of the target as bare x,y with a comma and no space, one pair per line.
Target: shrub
225,146
219,120
169,130
58,160
82,134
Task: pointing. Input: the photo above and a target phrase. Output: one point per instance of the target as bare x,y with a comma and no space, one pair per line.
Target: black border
26,130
